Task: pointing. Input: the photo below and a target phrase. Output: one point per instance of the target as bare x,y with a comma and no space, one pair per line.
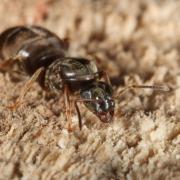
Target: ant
42,55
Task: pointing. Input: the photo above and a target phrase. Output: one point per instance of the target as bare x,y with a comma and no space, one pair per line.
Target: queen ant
42,55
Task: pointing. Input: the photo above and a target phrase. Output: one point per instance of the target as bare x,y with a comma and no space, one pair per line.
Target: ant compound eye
98,107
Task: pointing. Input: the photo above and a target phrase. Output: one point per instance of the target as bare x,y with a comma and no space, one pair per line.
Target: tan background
135,41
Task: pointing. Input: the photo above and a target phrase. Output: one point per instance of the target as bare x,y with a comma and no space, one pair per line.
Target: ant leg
76,101
104,75
6,64
26,88
78,113
67,107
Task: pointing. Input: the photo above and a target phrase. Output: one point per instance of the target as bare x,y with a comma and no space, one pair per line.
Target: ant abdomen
20,41
40,53
11,40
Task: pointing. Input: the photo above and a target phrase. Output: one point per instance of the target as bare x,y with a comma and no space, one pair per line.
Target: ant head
98,98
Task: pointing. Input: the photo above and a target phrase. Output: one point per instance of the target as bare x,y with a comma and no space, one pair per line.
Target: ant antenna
154,87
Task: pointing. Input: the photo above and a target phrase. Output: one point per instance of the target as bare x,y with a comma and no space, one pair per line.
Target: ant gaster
42,55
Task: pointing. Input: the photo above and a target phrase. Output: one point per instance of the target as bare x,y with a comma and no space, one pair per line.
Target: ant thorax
53,80
74,72
78,69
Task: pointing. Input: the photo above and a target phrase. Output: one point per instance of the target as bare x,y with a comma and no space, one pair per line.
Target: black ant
42,55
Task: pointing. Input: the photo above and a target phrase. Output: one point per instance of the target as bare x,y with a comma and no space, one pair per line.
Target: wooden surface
135,41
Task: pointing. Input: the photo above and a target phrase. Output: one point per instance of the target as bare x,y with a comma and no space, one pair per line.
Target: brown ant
42,55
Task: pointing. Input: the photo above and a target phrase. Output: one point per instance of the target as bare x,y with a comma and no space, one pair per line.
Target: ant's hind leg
25,89
15,74
6,64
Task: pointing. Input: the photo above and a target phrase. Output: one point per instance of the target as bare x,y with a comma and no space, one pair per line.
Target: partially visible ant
42,55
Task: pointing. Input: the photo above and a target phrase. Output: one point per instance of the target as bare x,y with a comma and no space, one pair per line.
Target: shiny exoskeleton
43,56
103,107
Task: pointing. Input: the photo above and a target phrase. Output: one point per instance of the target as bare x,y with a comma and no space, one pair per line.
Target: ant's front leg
26,88
68,108
78,113
76,101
